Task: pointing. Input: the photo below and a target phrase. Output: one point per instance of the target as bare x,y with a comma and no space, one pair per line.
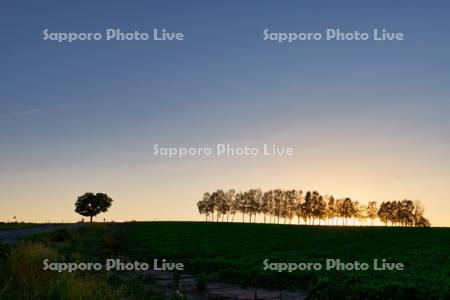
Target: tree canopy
90,204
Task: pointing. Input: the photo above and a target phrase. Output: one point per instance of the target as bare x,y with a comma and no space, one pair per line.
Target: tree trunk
91,219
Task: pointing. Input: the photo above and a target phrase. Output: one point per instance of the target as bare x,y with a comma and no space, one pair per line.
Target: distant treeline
284,205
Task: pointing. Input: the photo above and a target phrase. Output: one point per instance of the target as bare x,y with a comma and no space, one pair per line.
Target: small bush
176,278
201,283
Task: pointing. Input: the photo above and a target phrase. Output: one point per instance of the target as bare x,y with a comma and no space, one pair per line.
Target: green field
234,253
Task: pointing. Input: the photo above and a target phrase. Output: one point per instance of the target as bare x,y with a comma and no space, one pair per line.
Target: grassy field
235,252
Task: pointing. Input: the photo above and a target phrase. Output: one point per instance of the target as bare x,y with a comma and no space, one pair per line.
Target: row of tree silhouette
279,204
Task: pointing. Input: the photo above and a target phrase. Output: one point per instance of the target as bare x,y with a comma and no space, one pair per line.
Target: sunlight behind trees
283,206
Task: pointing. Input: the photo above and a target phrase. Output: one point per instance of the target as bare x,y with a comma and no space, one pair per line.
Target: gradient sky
369,120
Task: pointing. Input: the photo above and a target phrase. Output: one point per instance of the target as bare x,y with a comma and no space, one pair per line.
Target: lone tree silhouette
90,204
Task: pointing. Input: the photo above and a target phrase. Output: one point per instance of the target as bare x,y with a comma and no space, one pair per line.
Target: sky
367,119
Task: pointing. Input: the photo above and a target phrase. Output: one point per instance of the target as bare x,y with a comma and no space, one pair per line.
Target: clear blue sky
369,119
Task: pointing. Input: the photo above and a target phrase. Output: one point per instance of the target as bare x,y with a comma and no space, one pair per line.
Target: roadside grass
22,275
